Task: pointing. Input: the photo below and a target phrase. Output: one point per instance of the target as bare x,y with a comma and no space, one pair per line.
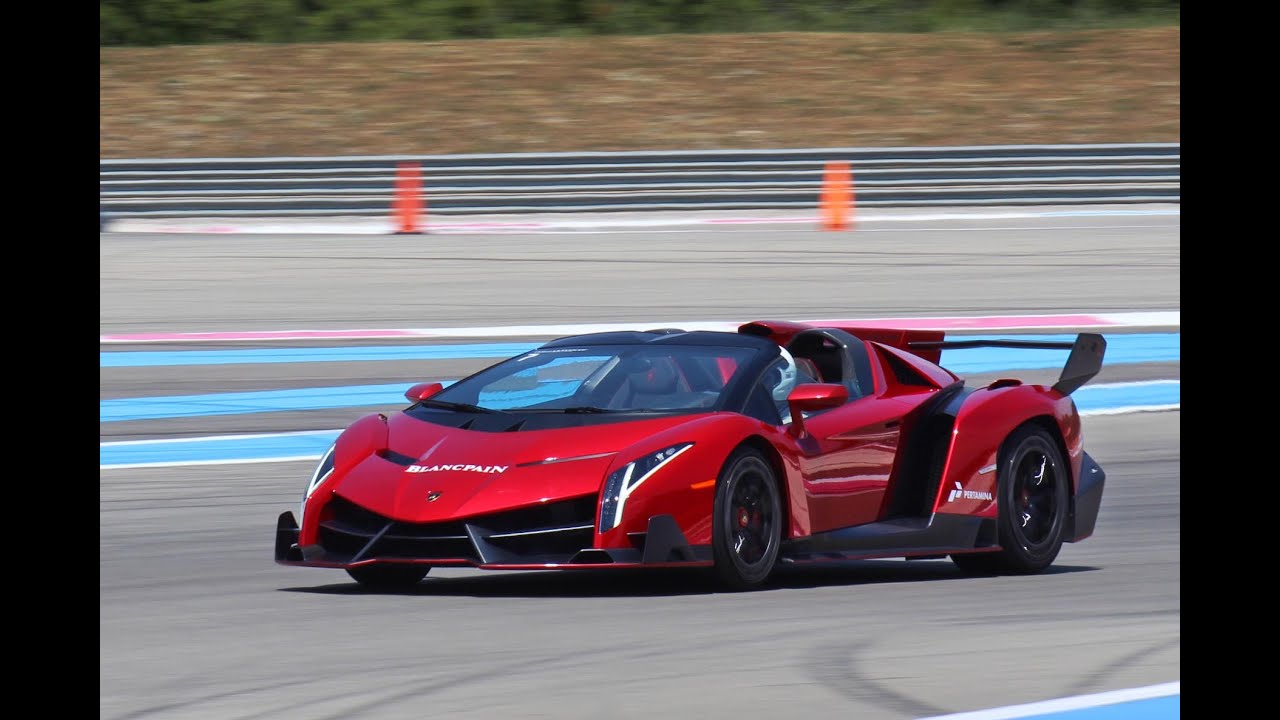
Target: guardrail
633,181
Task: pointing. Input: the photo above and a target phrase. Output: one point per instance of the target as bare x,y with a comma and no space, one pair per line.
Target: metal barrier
635,181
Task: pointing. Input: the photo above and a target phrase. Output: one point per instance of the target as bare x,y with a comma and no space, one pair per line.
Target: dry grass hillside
641,93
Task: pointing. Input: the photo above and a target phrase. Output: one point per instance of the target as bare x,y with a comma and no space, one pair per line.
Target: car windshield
604,378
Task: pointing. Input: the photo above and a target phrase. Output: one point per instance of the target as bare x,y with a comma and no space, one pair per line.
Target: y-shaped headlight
623,481
322,473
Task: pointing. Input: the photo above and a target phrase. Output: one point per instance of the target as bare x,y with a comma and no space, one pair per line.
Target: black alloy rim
1035,499
751,519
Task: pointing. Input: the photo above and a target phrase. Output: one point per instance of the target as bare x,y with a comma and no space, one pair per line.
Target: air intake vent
904,373
349,532
550,533
397,458
556,530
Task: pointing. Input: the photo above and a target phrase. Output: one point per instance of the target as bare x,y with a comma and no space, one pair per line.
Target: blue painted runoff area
175,358
392,396
287,445
1159,708
230,448
1118,396
1121,348
244,403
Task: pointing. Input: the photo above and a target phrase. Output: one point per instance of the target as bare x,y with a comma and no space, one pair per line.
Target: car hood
431,472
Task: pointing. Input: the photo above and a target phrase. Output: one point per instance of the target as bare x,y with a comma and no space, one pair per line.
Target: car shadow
666,582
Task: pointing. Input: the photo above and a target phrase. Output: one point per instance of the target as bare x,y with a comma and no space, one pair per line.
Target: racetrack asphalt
196,621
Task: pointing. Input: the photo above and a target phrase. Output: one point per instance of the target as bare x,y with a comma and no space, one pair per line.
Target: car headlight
623,481
322,473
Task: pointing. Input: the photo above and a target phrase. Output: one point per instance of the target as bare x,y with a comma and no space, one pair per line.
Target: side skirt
942,534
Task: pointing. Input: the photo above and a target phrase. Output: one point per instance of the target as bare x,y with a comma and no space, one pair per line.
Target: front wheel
1034,498
747,520
388,577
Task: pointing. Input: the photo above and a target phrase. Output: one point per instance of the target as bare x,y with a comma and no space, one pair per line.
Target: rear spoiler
1084,362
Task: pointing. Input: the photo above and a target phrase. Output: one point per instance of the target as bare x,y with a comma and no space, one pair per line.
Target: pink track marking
975,323
989,322
257,335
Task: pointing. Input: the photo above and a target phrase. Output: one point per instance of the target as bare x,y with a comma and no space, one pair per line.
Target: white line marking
1139,319
215,438
1133,383
504,223
1133,409
1066,704
1004,229
953,324
190,463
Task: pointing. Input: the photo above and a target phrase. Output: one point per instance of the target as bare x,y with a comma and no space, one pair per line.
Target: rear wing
1084,362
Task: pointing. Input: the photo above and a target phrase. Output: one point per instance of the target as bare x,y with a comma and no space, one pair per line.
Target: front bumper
478,544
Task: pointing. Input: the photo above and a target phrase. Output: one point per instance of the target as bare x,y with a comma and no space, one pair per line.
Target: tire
1033,500
747,520
389,576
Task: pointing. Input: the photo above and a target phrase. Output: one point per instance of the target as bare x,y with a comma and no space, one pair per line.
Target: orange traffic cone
408,204
837,197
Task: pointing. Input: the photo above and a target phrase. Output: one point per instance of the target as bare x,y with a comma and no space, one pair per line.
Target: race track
196,621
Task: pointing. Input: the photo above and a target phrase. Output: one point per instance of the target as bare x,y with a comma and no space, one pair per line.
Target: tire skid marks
836,667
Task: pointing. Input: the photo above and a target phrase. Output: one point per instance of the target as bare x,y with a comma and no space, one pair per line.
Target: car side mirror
422,391
814,396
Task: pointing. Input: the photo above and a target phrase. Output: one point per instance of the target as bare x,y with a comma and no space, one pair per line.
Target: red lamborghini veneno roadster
780,443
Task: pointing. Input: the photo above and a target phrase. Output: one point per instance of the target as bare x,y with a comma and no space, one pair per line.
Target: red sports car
780,443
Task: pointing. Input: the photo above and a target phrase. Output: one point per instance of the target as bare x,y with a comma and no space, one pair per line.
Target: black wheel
388,576
1033,500
747,520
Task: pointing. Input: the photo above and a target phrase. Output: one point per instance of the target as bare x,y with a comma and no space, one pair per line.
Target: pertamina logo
487,469
962,494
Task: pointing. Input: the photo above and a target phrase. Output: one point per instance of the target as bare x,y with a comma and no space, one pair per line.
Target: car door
847,454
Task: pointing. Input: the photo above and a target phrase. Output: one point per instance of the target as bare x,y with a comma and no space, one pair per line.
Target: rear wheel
747,520
388,577
1033,500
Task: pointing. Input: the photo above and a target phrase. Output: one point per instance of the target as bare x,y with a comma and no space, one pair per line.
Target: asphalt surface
157,282
197,622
